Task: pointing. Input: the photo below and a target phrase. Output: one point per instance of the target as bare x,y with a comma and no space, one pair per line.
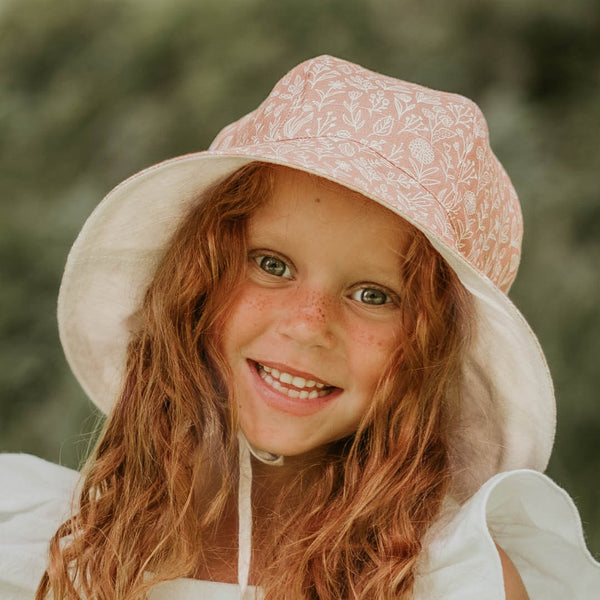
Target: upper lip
294,372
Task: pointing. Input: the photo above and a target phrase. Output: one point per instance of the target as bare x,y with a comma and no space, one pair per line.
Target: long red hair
173,430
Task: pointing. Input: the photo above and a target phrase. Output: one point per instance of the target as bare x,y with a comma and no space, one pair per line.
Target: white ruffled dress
526,513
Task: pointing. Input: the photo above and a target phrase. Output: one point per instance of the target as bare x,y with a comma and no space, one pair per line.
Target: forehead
301,199
316,222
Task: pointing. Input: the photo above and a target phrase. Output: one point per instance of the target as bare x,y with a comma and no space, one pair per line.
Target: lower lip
283,403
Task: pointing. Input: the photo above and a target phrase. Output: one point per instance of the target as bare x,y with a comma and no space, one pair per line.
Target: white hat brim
510,418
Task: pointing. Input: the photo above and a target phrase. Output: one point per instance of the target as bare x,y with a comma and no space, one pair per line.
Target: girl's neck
268,482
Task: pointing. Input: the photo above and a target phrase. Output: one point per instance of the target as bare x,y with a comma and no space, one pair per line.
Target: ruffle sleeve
537,525
35,498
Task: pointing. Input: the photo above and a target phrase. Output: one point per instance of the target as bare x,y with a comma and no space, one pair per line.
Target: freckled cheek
250,308
254,304
383,340
371,351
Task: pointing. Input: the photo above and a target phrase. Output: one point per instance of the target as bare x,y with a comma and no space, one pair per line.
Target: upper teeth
295,380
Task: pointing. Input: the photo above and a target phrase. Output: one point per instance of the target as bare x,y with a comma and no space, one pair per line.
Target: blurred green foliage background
92,91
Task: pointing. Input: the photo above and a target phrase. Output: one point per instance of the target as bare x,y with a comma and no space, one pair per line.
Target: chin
283,448
288,447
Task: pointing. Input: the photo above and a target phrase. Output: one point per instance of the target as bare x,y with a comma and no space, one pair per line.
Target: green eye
372,296
273,266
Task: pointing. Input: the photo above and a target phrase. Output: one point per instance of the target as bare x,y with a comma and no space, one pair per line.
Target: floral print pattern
423,153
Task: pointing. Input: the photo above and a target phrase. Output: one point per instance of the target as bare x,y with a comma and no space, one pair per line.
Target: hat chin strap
245,505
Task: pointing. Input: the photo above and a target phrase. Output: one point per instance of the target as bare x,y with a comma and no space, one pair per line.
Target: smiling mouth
293,386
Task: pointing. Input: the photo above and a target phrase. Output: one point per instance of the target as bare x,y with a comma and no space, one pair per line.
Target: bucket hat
421,153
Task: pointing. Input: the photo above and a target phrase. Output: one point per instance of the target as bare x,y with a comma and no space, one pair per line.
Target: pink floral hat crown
421,153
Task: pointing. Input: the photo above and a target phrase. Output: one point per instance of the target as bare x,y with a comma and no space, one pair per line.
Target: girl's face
316,318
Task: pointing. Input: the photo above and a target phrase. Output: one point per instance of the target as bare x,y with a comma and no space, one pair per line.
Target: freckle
258,303
318,200
367,339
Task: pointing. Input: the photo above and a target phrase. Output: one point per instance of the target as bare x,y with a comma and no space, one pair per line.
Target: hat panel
438,139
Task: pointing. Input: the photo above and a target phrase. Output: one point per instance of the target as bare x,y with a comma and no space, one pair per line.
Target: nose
309,318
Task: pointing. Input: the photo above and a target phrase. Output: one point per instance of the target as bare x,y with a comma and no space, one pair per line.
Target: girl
315,383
